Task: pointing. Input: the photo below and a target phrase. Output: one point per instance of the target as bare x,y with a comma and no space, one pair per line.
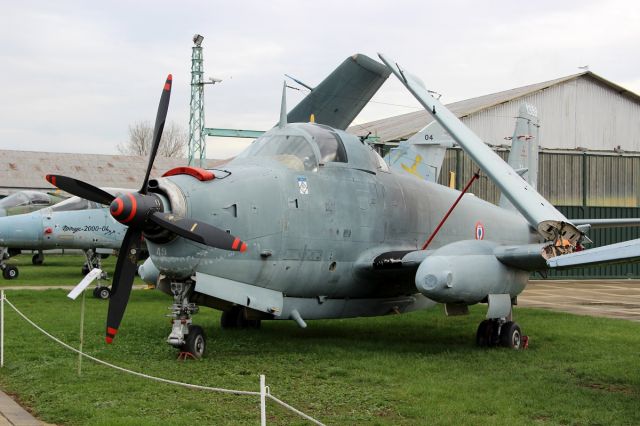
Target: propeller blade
161,117
199,232
80,188
123,276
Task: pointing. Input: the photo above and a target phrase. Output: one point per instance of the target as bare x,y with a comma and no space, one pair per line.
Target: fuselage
71,224
309,227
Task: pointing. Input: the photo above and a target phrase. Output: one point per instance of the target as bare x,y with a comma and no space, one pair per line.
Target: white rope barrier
262,393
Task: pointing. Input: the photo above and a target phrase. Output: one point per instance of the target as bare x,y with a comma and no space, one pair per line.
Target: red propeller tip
51,179
243,247
167,85
109,340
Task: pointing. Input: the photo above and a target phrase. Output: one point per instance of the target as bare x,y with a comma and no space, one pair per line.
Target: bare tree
173,143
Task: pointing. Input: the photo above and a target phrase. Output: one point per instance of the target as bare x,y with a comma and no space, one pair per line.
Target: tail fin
422,154
523,157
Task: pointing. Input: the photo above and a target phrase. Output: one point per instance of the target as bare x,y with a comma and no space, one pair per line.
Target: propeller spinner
141,211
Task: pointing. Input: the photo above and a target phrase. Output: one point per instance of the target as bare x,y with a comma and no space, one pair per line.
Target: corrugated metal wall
576,179
584,185
579,113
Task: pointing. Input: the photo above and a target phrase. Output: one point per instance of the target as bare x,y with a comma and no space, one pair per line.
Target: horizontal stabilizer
340,97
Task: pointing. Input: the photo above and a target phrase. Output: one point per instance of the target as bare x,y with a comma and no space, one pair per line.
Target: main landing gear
185,336
500,332
236,317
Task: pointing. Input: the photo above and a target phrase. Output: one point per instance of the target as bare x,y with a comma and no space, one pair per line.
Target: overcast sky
75,74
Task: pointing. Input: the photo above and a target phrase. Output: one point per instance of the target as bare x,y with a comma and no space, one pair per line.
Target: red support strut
475,176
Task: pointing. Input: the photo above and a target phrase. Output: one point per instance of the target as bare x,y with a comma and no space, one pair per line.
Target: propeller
141,211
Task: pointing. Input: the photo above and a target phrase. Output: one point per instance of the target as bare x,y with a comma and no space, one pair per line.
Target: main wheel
484,333
510,335
37,259
10,272
236,318
101,292
195,342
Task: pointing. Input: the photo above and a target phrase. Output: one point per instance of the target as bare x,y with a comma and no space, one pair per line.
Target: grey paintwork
313,233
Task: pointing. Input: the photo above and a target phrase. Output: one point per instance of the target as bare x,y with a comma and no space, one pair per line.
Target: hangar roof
404,126
21,170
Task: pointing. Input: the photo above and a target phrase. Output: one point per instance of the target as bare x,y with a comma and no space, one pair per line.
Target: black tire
195,342
96,292
484,333
102,292
85,269
10,272
511,335
37,259
228,319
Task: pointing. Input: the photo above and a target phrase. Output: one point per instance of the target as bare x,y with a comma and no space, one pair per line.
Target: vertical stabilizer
523,157
422,154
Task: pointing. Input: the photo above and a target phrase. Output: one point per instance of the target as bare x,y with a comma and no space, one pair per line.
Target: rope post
81,335
263,401
2,328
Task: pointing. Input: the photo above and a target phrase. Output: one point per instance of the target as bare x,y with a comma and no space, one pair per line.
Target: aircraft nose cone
24,229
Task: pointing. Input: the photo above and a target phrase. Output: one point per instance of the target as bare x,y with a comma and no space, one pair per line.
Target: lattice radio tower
197,144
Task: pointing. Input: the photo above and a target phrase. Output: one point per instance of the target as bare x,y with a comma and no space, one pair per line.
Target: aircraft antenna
197,144
283,107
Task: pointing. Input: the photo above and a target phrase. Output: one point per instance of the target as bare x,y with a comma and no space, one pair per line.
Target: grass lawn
419,368
57,269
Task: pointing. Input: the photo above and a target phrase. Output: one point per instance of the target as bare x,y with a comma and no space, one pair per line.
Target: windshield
329,144
75,203
295,152
14,200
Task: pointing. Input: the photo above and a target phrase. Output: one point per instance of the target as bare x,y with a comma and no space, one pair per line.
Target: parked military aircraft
20,203
75,223
329,231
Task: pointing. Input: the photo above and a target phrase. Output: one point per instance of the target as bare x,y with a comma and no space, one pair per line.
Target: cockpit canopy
307,146
25,198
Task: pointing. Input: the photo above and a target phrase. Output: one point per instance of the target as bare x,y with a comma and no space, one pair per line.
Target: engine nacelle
467,272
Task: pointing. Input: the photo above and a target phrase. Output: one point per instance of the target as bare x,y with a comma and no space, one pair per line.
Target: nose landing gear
185,336
500,332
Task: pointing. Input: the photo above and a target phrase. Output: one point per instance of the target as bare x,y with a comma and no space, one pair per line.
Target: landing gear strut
94,260
38,258
500,332
185,336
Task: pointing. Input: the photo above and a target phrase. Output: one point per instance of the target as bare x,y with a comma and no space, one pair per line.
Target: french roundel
479,231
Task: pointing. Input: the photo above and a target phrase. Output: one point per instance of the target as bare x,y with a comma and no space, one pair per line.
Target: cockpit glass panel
14,200
381,164
73,203
295,152
329,144
39,198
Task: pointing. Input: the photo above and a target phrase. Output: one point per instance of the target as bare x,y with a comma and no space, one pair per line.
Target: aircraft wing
340,97
607,223
540,213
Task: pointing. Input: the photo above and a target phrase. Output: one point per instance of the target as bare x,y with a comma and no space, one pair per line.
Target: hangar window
295,152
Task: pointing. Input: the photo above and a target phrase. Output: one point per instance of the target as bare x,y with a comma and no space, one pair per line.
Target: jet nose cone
24,229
